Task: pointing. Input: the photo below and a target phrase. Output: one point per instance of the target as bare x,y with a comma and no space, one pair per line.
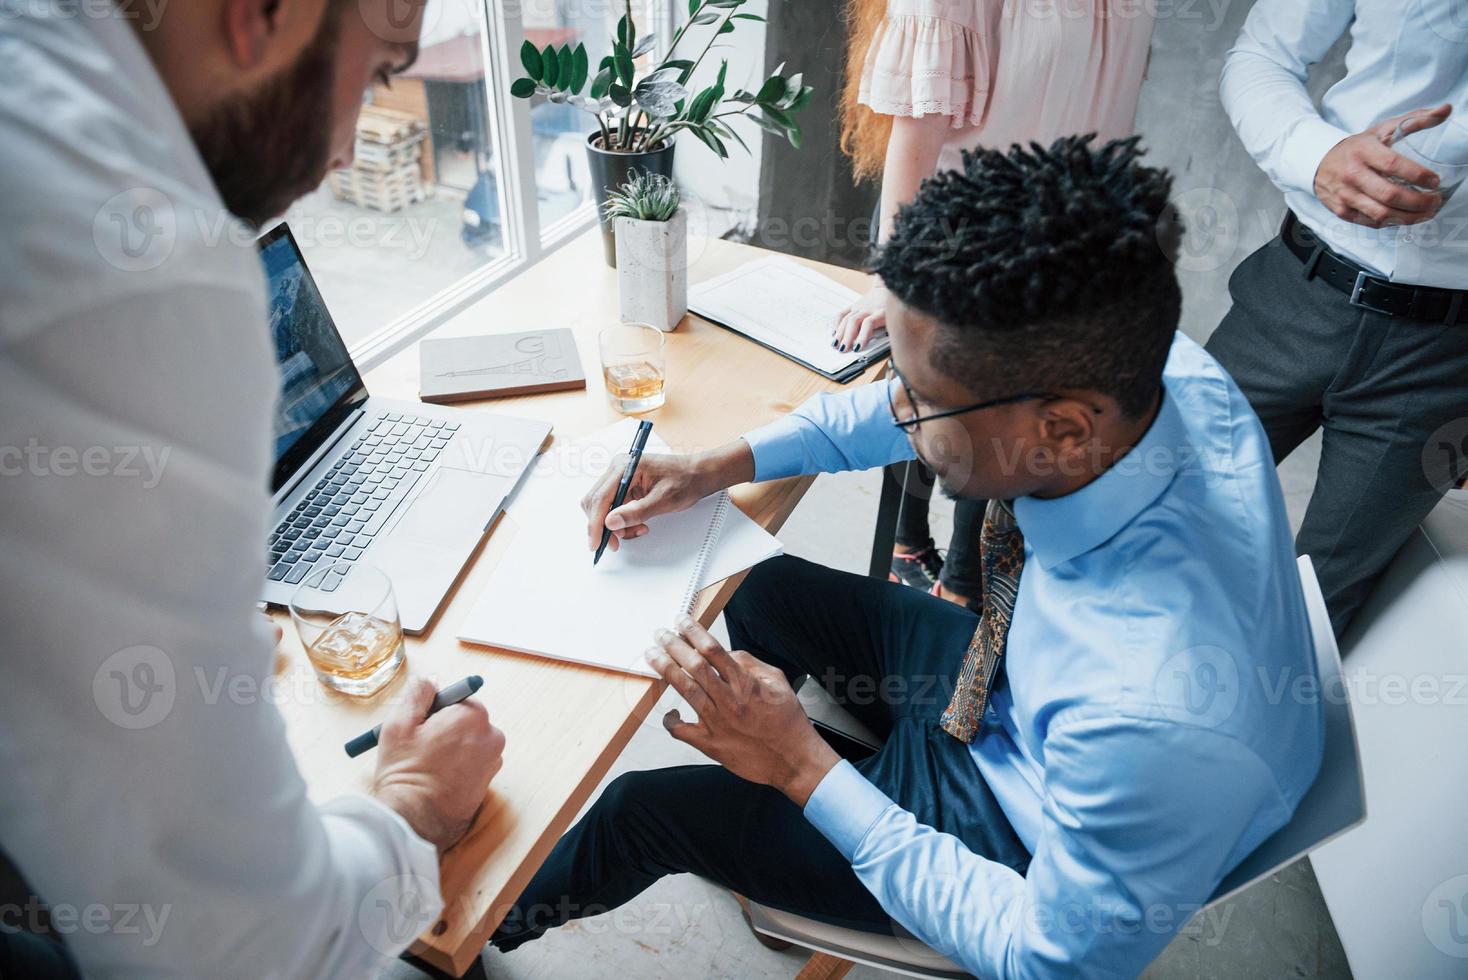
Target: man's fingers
694,735
496,750
598,501
1399,197
1374,214
599,497
1409,122
417,695
702,641
1389,163
625,534
758,679
635,512
696,666
672,672
469,719
772,687
1418,120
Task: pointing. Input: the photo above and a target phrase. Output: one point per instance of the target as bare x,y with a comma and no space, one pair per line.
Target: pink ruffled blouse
1010,71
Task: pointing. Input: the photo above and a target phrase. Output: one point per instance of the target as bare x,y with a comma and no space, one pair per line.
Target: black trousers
889,653
963,570
24,956
1391,394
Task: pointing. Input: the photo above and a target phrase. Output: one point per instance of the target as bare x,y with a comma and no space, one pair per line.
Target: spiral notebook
545,597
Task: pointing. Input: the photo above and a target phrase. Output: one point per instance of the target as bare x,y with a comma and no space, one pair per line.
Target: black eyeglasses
913,420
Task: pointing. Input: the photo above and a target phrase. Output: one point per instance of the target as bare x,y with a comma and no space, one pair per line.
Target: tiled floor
683,928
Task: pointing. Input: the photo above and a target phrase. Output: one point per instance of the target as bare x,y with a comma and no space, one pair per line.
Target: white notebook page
784,304
544,597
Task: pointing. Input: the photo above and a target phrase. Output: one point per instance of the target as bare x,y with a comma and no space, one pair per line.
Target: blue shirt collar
1059,529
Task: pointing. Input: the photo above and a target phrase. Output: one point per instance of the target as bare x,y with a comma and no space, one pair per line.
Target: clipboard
787,308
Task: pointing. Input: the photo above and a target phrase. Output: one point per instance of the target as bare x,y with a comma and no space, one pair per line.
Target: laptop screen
319,385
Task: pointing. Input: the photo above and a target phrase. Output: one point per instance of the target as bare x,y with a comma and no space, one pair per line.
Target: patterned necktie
1002,552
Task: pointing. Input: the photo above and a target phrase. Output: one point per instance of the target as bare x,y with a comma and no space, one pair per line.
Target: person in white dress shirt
1353,319
152,806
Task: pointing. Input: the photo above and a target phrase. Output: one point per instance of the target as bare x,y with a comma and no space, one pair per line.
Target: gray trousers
1391,394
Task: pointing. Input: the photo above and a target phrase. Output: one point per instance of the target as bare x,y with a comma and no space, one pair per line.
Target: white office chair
1334,804
1397,886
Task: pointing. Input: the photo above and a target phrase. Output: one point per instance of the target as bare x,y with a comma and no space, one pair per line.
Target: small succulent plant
645,197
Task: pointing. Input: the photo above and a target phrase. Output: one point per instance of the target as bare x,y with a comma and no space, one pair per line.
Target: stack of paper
546,598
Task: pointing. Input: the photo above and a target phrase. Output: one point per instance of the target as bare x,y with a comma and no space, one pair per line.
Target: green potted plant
651,233
639,114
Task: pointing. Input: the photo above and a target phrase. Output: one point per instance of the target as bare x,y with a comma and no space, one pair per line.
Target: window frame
525,241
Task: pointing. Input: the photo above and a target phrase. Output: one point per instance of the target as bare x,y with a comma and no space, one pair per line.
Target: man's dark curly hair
1045,269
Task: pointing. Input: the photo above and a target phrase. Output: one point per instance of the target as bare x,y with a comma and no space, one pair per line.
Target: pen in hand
644,429
453,694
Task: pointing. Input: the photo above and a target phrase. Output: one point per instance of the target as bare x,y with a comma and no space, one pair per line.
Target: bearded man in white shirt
1353,319
133,332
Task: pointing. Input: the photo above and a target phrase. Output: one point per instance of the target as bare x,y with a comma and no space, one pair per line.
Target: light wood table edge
458,958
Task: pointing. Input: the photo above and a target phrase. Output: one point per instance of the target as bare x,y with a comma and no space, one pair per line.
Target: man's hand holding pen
662,484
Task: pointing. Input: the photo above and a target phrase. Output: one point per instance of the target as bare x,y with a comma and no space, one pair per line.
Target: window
455,186
562,176
419,208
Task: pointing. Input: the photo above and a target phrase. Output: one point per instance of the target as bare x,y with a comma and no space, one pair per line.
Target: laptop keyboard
340,515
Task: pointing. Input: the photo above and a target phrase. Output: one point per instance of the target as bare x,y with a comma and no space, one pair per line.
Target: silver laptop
408,487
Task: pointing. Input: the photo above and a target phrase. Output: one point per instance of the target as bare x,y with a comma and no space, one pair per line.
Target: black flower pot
610,170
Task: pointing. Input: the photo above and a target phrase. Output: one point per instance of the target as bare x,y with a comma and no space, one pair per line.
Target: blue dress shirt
1146,739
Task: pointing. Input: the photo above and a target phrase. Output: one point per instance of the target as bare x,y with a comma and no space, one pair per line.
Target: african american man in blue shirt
1067,776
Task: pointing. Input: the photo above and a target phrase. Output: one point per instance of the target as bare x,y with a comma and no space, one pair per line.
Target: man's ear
249,27
1066,424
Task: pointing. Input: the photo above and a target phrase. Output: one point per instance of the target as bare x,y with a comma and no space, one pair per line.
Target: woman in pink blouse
941,76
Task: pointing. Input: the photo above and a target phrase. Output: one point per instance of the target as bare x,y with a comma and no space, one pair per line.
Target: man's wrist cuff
1304,150
844,807
777,449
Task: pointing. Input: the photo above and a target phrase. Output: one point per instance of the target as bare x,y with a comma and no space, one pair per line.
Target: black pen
453,694
644,429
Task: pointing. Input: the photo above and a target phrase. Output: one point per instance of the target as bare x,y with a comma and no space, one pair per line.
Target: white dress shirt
149,797
1403,56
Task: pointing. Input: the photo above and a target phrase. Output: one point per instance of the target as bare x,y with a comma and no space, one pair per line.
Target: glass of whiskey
633,367
347,617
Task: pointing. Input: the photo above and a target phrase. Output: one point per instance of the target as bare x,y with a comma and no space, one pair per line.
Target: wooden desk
565,724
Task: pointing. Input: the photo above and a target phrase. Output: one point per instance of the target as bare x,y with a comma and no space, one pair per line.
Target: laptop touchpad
453,509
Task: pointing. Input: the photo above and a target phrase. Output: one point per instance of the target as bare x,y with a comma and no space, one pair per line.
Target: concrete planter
611,169
652,269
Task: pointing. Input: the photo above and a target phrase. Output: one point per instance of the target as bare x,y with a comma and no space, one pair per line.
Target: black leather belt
1369,292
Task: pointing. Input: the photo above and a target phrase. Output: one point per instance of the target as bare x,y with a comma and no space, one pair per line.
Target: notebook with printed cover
456,369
